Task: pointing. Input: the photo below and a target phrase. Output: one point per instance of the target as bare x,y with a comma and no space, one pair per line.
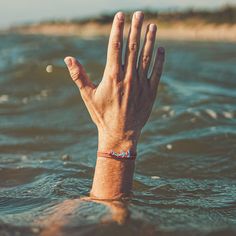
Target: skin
122,102
119,106
63,212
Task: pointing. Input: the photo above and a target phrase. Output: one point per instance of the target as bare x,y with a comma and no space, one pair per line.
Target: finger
133,42
78,74
146,53
114,52
157,69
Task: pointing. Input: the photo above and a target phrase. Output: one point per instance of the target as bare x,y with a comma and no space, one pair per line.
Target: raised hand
121,104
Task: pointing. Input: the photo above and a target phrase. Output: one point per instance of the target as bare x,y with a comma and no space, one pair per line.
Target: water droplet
4,98
49,68
169,146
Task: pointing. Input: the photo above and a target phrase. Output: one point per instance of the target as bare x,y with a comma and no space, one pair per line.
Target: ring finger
146,54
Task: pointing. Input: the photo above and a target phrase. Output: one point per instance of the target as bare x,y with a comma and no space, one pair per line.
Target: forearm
113,177
121,104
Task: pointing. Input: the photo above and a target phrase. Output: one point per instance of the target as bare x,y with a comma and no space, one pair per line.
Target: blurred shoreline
177,31
217,25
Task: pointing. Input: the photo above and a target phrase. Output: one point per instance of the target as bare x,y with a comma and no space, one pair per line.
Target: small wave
4,98
211,113
228,115
42,95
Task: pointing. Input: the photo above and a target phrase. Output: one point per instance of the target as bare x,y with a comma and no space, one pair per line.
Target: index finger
114,52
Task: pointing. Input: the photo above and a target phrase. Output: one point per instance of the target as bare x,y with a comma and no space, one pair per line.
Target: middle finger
133,42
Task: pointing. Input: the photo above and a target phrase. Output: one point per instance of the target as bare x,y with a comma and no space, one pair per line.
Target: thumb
78,74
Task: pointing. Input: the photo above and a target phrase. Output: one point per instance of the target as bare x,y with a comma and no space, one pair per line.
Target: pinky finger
157,69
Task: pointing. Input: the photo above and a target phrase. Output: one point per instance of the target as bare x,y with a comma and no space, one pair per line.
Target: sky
15,12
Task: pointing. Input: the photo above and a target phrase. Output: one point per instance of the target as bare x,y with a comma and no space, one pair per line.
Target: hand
121,104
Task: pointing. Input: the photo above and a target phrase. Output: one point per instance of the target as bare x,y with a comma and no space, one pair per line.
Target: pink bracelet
116,155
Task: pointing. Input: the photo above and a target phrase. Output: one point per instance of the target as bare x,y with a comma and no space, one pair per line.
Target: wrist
113,177
117,142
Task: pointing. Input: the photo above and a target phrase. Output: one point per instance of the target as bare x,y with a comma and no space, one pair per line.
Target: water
185,175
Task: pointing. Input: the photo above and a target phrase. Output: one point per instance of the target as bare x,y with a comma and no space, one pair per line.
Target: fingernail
161,50
68,61
139,15
120,16
152,27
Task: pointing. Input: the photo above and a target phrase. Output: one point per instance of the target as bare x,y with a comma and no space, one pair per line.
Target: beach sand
177,31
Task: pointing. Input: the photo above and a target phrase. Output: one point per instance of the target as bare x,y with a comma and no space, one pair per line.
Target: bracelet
116,155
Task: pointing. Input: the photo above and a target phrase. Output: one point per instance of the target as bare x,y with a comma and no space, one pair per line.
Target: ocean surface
185,178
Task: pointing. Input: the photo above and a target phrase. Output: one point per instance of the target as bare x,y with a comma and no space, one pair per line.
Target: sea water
185,178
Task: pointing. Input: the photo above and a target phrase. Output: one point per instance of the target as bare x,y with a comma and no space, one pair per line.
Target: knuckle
146,60
75,74
116,45
115,75
113,71
133,46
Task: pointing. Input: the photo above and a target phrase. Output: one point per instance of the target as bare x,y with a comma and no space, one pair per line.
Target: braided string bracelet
118,155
